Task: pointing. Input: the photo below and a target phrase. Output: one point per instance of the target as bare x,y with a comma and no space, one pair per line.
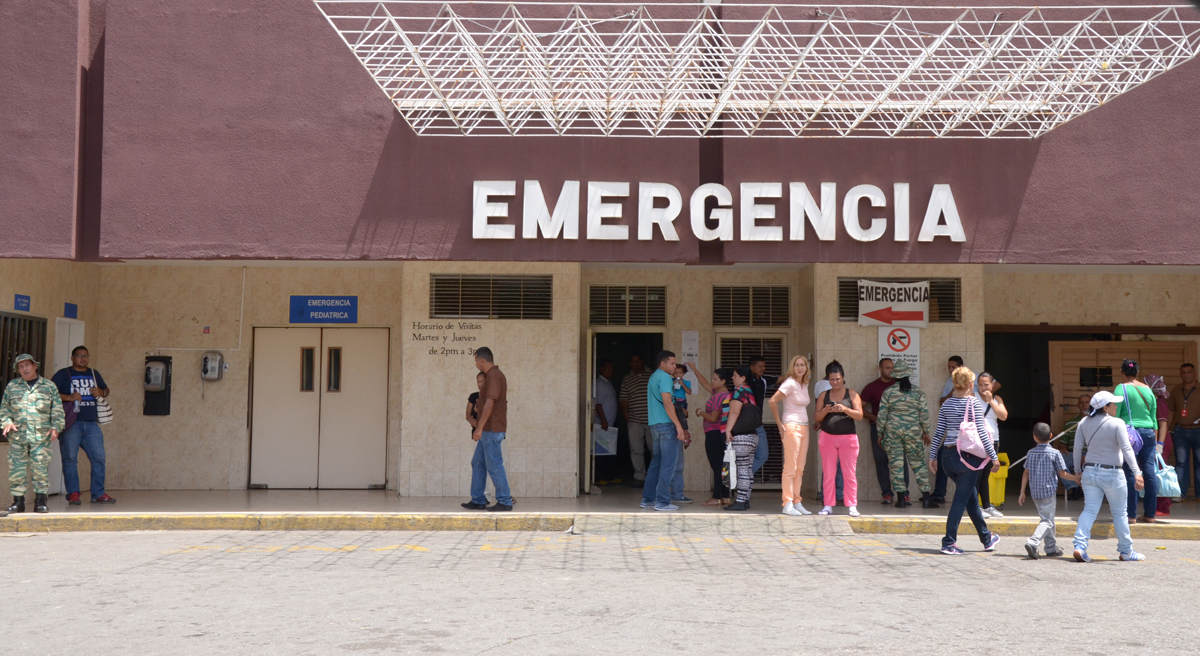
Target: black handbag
748,421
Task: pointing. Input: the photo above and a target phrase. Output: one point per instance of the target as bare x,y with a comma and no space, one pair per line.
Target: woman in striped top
962,468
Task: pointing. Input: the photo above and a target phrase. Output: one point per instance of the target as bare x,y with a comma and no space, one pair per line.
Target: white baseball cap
1102,398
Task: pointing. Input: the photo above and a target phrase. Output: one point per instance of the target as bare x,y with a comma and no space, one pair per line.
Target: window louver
945,298
453,296
752,306
620,305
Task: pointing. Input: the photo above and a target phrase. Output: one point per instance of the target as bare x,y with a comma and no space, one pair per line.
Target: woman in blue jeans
1107,444
1139,409
962,468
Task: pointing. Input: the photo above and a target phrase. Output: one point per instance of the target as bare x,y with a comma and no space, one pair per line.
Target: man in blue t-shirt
668,435
79,385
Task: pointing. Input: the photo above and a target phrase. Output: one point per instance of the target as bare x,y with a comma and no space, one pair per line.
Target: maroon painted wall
246,129
40,50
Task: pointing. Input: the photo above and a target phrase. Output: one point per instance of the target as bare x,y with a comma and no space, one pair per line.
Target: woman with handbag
1106,438
962,446
741,430
715,414
837,440
1158,385
1140,410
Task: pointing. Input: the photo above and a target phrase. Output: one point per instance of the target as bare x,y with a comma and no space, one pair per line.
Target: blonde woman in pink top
793,393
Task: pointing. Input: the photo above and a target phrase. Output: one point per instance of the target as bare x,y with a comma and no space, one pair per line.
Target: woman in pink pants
837,409
793,394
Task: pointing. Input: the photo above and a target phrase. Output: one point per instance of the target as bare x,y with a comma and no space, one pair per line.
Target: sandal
726,502
713,502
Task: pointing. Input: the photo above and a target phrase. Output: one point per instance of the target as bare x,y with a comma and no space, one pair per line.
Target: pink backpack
969,440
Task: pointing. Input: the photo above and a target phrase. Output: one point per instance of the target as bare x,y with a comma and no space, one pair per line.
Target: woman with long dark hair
744,438
994,412
715,414
1139,409
837,410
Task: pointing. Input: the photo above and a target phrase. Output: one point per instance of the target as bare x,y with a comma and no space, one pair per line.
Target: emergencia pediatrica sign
323,309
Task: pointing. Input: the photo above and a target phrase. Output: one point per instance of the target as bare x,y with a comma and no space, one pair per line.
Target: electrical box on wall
157,385
211,366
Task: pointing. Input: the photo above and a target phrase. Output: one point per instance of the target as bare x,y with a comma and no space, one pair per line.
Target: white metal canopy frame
688,70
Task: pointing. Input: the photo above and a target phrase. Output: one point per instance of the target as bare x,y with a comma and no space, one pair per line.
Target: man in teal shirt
667,433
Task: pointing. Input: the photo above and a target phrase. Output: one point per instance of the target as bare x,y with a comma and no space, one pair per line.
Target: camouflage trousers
22,456
899,446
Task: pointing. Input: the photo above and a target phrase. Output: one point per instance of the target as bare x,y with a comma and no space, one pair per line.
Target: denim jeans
661,472
1147,463
965,496
489,461
762,451
677,479
1098,485
1187,458
86,434
939,483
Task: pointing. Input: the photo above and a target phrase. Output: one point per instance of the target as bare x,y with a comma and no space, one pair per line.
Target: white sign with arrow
893,303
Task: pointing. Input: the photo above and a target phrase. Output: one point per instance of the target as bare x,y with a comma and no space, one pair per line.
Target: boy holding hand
1043,467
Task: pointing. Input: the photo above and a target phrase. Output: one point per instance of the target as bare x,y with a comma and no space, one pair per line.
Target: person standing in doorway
744,438
79,385
904,431
490,430
680,388
1185,431
633,408
1103,436
1158,385
962,467
793,394
31,415
669,435
1140,410
993,413
604,404
1066,445
473,402
758,383
837,410
715,415
871,396
820,388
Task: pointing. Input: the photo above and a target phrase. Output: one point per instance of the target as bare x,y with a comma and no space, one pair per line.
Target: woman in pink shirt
793,393
715,414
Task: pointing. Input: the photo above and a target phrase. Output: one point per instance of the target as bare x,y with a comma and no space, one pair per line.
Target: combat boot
902,500
927,501
18,505
39,504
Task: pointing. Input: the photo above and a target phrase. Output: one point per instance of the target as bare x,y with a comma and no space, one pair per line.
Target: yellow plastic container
997,481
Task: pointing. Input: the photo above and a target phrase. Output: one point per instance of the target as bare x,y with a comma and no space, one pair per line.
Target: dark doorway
620,347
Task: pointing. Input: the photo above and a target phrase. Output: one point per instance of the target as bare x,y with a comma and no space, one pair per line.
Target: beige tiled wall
540,359
1094,299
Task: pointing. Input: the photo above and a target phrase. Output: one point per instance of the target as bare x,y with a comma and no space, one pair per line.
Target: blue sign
21,304
324,309
71,311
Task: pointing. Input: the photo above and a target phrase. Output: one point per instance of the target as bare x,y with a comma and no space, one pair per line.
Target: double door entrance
320,408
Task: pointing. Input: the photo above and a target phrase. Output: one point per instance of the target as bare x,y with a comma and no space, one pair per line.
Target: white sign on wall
691,346
893,303
902,345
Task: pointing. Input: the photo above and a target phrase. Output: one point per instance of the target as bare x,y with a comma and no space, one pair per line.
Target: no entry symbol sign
899,340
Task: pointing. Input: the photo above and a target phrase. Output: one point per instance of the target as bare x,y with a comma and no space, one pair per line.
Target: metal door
68,333
354,396
287,407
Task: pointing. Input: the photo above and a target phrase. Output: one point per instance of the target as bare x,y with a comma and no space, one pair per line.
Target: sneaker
1031,549
827,510
670,507
887,500
991,511
952,550
801,509
854,511
1176,500
103,498
681,500
937,498
471,505
1132,556
647,504
1081,556
1057,553
73,499
791,510
992,542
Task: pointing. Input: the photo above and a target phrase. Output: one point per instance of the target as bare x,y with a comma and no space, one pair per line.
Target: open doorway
619,348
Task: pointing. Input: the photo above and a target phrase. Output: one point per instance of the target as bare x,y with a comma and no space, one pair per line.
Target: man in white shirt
604,396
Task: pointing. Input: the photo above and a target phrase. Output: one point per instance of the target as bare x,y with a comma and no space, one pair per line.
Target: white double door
320,408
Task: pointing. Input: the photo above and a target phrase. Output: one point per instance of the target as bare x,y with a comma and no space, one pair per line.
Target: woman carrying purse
742,432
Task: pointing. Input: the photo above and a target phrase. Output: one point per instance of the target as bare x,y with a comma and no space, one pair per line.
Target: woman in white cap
1107,444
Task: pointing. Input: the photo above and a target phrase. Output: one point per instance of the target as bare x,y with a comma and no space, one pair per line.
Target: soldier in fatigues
904,429
31,415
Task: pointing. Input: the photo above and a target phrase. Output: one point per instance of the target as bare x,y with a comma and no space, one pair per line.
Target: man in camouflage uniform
903,429
31,415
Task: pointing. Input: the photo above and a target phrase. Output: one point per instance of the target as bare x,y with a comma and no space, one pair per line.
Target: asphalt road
538,593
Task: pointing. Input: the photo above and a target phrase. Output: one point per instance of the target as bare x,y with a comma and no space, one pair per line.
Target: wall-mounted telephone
156,376
211,366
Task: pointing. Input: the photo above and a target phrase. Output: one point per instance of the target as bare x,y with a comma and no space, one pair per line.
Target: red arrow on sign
888,315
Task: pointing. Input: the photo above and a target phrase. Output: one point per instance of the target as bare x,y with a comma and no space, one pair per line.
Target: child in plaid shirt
1043,467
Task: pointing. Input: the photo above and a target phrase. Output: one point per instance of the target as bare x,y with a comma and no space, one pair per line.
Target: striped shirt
950,416
633,392
718,401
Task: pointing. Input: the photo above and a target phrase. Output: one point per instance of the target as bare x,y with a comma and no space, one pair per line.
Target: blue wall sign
21,304
70,311
324,309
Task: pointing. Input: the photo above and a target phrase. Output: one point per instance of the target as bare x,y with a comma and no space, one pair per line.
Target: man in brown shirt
1185,415
489,435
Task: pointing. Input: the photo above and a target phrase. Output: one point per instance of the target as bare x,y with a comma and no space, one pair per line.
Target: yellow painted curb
1017,528
286,522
